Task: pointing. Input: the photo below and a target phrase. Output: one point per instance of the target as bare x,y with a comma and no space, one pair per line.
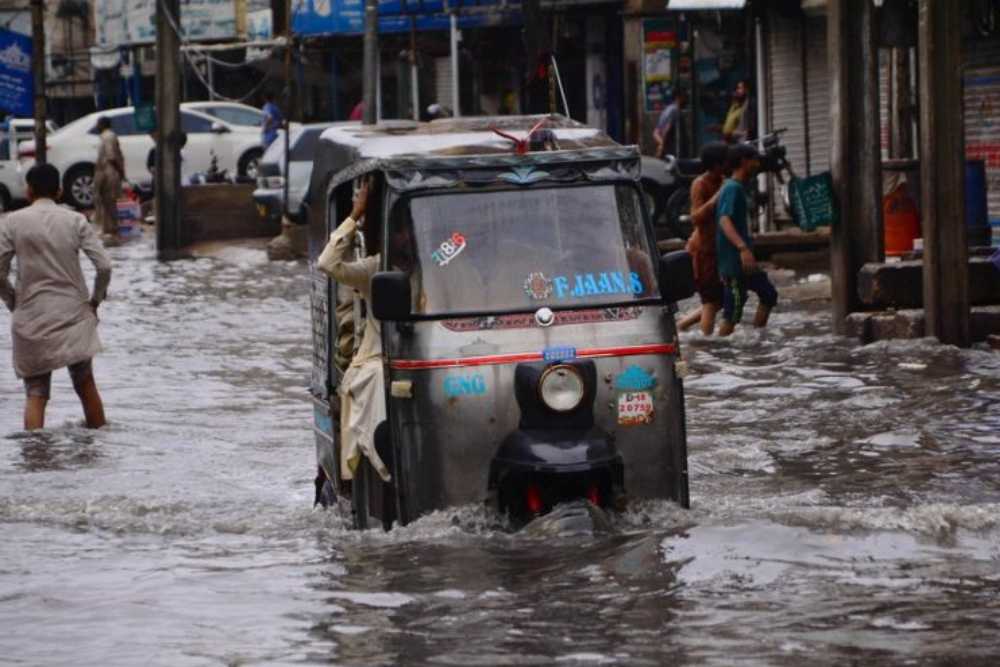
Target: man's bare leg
760,318
90,399
34,413
726,328
708,312
690,319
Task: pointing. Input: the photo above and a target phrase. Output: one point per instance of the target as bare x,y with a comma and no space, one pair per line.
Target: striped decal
496,359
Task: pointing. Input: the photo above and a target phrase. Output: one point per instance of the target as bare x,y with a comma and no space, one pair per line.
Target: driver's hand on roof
360,202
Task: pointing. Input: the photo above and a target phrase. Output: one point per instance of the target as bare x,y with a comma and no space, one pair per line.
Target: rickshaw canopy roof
415,155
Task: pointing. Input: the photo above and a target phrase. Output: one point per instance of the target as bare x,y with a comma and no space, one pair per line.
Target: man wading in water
54,322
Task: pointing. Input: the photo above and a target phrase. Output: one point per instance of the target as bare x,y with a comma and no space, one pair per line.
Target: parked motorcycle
667,184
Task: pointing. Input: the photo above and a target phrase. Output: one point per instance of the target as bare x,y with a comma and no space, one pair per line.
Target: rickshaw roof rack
466,136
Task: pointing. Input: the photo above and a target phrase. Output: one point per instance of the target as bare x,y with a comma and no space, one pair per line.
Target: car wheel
247,168
78,187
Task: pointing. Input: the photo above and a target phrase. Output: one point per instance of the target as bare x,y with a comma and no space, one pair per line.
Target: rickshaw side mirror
391,296
676,276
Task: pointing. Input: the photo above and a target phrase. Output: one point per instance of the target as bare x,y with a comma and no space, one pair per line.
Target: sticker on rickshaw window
537,286
635,408
582,285
449,250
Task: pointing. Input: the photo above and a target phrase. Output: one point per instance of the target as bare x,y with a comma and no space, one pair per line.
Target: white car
233,113
12,186
73,149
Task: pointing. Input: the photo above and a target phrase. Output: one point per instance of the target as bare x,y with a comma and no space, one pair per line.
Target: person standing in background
736,127
273,120
54,322
668,128
109,172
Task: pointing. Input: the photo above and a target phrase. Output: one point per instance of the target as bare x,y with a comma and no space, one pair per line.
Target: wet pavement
845,509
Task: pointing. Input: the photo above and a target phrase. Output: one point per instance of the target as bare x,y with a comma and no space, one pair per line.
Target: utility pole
38,74
288,100
370,72
169,133
414,76
942,177
855,157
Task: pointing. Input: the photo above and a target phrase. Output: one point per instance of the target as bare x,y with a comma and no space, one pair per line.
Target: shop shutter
785,90
442,82
981,99
817,95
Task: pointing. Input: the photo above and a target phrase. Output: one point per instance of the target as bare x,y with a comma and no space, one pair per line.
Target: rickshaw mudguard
556,451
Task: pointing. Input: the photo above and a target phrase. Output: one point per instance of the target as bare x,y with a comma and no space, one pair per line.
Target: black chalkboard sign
813,204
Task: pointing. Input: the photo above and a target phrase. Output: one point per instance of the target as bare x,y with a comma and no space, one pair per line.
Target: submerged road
846,509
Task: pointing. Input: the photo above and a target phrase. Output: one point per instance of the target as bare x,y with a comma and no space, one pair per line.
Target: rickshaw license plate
635,407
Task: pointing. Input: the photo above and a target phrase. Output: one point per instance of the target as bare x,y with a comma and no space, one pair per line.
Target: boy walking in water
737,266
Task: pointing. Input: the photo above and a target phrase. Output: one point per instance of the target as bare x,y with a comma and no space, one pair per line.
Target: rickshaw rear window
517,250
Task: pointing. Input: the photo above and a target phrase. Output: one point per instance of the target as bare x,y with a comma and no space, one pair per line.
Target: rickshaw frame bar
494,359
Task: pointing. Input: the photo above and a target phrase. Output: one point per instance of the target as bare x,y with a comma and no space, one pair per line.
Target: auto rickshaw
529,346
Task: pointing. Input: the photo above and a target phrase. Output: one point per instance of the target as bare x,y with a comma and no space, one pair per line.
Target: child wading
737,266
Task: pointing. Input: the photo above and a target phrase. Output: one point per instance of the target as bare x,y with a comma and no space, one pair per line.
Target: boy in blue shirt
737,266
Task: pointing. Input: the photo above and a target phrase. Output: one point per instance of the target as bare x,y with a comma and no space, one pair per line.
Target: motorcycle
666,184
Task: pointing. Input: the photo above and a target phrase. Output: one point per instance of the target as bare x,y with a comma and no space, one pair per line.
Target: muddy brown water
846,509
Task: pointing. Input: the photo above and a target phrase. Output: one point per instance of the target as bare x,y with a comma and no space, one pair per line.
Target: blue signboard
347,17
15,74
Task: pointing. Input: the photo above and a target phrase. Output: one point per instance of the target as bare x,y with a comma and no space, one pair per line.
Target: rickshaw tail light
593,495
561,388
533,499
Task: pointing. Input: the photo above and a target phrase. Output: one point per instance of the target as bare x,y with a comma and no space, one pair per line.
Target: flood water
845,509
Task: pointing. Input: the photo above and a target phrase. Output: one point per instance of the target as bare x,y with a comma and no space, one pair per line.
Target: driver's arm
336,262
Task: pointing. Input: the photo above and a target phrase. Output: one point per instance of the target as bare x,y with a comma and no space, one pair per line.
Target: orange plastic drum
902,221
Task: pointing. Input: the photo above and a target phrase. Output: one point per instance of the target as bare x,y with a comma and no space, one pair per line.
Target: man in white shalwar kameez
54,321
362,388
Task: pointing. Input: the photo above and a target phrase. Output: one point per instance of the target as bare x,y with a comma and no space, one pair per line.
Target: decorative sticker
634,378
449,249
537,286
635,408
465,385
527,321
592,284
563,353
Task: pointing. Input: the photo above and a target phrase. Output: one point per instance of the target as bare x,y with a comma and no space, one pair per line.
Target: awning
703,5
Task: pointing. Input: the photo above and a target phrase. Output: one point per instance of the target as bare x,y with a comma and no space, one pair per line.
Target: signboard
16,82
127,22
346,17
812,201
144,117
658,43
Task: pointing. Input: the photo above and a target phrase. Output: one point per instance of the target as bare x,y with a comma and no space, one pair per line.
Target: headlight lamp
561,388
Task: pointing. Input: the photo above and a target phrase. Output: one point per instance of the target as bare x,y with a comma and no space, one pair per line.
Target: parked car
13,189
73,149
233,113
270,192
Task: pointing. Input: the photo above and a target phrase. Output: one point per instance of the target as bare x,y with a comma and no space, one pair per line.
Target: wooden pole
289,45
900,113
370,66
169,134
942,173
38,74
855,159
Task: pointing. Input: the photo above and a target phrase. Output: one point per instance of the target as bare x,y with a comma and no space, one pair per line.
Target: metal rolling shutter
817,95
981,97
785,91
442,82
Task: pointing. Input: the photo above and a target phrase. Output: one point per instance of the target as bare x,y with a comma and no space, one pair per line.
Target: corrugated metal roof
699,5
